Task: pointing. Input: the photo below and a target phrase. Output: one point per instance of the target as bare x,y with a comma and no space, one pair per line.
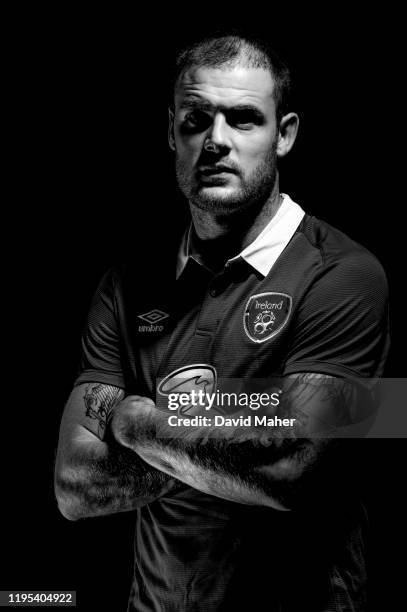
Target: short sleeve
341,325
100,356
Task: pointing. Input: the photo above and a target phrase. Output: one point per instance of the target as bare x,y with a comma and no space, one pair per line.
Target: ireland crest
265,315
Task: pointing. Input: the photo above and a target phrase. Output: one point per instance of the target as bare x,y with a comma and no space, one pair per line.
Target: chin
218,199
220,193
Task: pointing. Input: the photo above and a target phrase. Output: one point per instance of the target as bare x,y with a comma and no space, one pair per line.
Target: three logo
199,378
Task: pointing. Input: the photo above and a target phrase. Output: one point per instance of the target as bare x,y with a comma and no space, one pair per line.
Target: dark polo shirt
320,307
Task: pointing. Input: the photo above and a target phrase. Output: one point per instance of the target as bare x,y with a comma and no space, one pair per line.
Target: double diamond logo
153,316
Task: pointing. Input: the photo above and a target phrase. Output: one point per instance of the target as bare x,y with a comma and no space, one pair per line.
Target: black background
91,181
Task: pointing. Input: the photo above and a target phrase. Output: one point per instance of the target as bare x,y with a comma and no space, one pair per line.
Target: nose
217,136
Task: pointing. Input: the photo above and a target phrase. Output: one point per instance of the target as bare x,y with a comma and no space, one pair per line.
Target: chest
238,323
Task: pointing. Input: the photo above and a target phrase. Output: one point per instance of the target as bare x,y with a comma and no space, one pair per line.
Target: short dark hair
223,50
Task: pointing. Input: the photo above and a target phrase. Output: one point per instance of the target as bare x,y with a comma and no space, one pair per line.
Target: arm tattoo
100,400
321,405
287,465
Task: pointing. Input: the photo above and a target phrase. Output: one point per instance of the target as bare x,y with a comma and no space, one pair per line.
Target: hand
133,419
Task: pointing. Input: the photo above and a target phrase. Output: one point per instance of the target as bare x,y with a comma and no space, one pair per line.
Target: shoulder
110,280
340,323
343,261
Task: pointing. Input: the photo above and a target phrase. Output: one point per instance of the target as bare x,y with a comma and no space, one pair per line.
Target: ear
171,139
287,133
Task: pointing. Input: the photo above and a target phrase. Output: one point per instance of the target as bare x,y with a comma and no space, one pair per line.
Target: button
213,292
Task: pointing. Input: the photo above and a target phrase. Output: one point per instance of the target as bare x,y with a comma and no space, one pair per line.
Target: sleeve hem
321,367
94,376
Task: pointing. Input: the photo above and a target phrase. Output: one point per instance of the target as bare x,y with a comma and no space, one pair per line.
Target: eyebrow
195,104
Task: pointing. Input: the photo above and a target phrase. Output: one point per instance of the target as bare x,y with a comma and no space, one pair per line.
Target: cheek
188,149
188,145
256,149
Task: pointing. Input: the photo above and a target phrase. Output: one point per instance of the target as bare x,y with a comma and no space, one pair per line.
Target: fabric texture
195,552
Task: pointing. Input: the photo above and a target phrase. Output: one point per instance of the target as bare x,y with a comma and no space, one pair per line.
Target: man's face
224,133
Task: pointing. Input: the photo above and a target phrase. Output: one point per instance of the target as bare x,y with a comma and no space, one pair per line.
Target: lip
215,178
210,170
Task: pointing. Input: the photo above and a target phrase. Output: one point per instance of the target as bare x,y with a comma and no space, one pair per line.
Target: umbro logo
153,316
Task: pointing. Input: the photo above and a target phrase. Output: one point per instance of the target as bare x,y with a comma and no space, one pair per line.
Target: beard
253,192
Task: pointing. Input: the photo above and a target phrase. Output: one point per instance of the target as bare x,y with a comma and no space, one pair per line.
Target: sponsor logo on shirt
152,317
265,315
199,377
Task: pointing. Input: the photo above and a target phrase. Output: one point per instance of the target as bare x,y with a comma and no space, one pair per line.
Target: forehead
227,86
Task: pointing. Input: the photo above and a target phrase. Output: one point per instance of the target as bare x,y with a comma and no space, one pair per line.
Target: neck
220,237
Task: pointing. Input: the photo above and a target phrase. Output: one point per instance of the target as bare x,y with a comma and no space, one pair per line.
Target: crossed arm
94,475
250,466
117,454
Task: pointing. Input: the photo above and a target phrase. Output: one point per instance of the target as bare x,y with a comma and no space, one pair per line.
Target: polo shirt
302,297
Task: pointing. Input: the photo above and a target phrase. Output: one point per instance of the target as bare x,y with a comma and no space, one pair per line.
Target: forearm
233,464
103,478
218,471
267,466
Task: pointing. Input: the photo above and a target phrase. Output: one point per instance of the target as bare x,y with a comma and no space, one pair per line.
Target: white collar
264,251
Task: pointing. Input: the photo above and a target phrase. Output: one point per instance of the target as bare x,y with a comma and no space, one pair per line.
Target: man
230,517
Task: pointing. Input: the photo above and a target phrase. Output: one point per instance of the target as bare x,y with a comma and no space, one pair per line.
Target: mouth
214,170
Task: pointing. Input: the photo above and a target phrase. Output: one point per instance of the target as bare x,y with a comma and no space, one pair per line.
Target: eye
244,119
196,120
191,119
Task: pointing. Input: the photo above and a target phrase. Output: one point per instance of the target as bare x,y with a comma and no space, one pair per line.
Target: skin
254,466
227,117
93,475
